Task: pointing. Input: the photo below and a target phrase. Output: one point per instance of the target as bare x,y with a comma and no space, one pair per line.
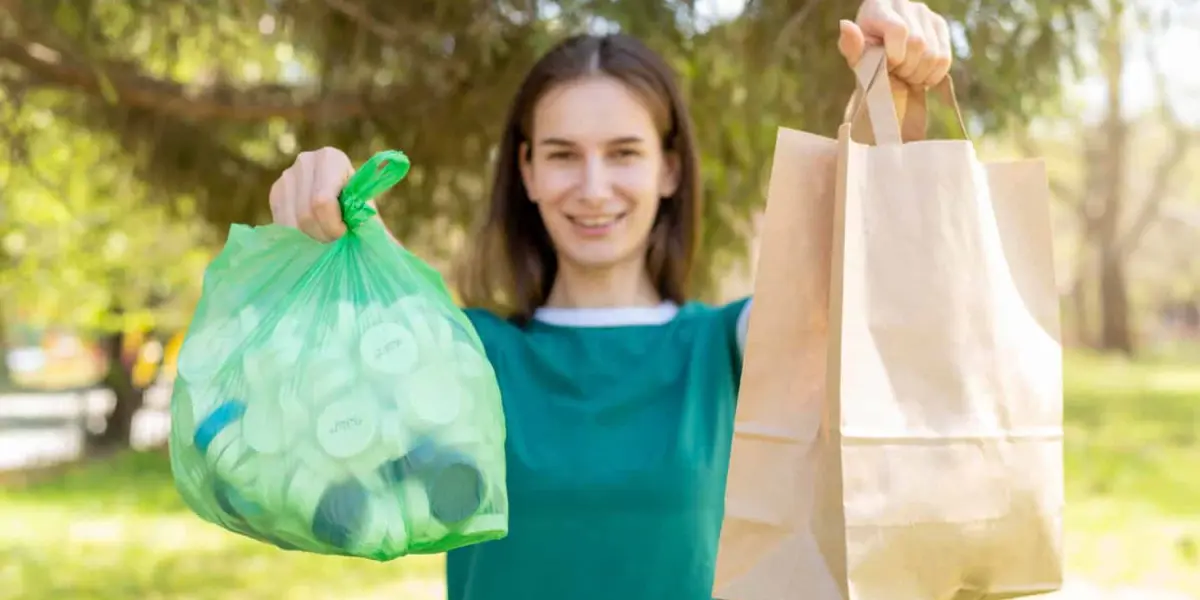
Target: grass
1133,472
116,530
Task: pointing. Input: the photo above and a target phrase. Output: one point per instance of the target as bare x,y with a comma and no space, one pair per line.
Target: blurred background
135,132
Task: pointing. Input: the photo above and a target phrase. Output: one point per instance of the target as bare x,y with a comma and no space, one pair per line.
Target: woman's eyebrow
627,139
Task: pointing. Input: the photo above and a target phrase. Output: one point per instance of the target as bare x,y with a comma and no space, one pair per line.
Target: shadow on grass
130,481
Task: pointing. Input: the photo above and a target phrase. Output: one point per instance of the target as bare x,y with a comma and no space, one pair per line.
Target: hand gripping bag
331,398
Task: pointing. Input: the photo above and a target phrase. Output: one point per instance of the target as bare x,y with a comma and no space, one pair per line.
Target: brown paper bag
905,298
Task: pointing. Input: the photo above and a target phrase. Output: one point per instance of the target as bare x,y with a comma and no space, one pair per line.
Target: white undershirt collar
607,317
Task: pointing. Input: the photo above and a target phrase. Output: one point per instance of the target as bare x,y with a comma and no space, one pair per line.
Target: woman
618,392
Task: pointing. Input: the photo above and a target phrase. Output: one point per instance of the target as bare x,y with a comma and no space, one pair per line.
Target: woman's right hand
306,195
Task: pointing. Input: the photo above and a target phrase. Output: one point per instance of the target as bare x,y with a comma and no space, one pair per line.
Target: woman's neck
616,286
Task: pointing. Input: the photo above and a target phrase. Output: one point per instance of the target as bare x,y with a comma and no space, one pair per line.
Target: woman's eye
627,153
559,155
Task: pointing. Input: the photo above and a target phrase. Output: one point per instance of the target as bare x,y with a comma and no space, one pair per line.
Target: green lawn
116,530
1133,472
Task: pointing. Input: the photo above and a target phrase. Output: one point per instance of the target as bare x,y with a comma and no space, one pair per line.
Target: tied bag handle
874,94
384,170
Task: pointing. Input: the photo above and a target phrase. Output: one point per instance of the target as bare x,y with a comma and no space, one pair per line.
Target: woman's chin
594,257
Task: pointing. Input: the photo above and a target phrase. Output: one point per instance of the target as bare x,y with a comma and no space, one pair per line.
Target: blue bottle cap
453,481
216,422
341,513
455,490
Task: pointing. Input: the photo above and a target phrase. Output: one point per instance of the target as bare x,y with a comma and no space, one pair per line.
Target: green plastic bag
331,398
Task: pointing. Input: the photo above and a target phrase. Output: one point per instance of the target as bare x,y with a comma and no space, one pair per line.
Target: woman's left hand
916,39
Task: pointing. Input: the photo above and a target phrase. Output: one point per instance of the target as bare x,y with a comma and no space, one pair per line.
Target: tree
1118,196
213,98
84,249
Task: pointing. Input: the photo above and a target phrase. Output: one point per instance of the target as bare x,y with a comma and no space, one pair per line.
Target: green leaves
213,100
80,240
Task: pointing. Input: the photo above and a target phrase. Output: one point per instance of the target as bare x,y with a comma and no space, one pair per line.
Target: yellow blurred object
171,355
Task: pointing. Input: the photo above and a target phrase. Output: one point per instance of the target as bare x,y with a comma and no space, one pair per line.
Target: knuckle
308,224
276,196
324,205
329,154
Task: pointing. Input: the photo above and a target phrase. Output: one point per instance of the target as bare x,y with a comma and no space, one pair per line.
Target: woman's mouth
596,225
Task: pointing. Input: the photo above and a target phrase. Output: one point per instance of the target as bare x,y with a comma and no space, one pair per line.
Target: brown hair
512,263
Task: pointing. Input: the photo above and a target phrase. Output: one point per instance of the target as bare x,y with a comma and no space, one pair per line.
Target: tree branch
361,15
217,102
1181,141
1070,195
1159,188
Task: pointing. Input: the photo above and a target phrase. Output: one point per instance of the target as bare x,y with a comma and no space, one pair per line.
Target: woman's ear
524,160
668,182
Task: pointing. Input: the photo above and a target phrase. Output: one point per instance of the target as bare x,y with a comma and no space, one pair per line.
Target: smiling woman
618,388
595,200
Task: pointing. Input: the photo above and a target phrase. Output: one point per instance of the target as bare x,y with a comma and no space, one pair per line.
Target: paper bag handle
875,95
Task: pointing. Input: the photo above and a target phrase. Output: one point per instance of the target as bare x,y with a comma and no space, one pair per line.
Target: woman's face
597,170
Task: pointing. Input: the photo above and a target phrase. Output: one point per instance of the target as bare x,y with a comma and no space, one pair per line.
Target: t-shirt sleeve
735,318
743,325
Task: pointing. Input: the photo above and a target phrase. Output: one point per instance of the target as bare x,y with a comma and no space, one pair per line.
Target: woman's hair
512,263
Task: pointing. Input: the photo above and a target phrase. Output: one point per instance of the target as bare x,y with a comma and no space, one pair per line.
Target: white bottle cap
229,457
205,350
430,400
330,381
432,328
249,319
397,529
183,412
304,494
348,427
347,319
205,397
423,528
262,425
470,362
282,352
383,530
274,476
395,435
309,454
388,348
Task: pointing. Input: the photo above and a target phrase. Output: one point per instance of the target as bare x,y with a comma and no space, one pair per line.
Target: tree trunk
5,375
118,428
1115,335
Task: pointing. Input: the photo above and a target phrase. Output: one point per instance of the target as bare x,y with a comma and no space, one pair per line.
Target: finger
851,42
915,45
333,171
933,49
881,20
283,211
305,218
945,52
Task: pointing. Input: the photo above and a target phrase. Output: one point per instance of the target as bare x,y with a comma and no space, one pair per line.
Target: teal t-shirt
618,444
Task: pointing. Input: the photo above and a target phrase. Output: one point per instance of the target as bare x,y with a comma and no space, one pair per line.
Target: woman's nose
596,187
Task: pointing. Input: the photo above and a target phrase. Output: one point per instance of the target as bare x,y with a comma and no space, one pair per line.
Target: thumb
881,22
851,42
